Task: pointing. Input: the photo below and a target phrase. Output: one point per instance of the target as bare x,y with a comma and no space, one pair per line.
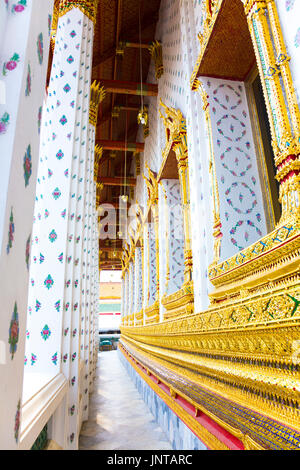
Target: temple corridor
150,199
118,417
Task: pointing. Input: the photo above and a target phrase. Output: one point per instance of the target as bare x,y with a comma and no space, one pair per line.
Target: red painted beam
117,181
120,145
129,88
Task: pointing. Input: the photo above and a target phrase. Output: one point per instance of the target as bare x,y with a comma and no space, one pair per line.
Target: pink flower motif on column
28,82
4,121
54,358
48,282
11,64
14,332
27,165
19,7
11,230
45,333
17,421
40,48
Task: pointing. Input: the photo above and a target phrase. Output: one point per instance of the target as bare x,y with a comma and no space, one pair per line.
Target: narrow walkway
118,417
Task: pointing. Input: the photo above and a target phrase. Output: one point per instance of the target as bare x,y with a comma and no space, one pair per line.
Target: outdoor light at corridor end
124,198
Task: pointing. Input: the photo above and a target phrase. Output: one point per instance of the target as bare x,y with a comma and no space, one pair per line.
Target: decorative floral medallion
56,193
19,7
63,120
40,48
37,305
45,333
33,359
54,359
27,165
11,64
289,4
52,236
61,257
14,332
39,119
11,231
4,121
28,82
27,252
17,421
59,154
57,306
49,24
72,410
48,282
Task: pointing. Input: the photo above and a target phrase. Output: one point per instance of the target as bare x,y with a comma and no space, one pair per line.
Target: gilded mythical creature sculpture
172,121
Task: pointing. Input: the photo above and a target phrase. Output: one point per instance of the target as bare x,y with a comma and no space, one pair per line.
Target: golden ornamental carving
175,128
253,428
210,11
217,234
209,439
98,156
152,186
88,7
174,123
156,54
279,92
179,303
97,96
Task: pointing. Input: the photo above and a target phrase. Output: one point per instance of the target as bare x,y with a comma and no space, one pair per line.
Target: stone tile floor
118,417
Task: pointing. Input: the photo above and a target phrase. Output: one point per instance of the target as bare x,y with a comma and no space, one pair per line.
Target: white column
24,46
64,174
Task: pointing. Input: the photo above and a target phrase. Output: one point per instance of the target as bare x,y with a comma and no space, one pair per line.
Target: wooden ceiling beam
120,145
129,88
117,181
131,33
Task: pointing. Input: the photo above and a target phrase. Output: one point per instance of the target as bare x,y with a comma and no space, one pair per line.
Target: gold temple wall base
139,318
254,429
245,348
152,313
180,302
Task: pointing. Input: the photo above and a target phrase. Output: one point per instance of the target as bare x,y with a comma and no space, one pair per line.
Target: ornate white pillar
24,46
63,195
